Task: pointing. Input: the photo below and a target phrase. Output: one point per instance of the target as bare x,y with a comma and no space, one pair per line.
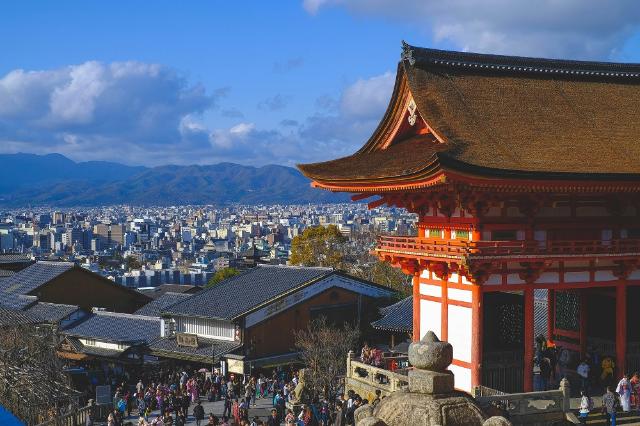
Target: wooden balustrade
434,247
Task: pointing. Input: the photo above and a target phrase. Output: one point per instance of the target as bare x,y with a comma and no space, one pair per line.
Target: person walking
586,405
610,406
198,413
624,390
583,372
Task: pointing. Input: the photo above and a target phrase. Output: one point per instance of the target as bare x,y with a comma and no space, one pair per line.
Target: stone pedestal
431,399
430,382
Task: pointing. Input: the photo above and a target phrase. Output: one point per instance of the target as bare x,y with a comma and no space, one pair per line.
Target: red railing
458,248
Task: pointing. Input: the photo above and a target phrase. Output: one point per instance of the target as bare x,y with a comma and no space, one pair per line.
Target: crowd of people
176,397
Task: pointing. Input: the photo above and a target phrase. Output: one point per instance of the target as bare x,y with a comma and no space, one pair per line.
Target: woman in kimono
624,390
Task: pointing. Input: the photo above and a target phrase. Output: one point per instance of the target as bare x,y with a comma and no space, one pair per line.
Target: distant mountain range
55,180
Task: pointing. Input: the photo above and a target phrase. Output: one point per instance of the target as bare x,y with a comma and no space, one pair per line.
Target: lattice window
435,233
567,310
510,323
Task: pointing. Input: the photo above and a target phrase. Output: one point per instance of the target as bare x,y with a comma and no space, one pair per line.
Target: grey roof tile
242,293
397,317
12,317
168,347
14,258
33,276
156,306
51,312
117,327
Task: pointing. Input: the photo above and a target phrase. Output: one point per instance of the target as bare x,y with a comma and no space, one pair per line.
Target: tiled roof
117,327
397,317
33,276
5,274
500,116
167,347
240,294
156,306
12,317
14,258
51,312
16,301
92,350
158,291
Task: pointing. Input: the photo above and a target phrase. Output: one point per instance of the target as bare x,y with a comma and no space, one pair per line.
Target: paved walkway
262,410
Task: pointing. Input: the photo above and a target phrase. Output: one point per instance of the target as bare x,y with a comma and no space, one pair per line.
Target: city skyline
297,82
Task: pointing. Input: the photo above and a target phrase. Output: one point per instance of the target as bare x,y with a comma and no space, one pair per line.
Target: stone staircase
596,418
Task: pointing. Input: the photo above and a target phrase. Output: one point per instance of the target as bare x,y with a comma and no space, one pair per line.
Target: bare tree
33,385
324,351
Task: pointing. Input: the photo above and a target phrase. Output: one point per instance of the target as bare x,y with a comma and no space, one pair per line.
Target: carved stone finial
407,53
430,353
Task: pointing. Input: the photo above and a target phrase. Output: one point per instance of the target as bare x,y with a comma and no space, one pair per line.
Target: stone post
565,387
349,358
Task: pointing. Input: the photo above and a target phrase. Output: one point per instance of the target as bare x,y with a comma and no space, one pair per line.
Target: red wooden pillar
583,322
416,307
621,328
528,340
444,309
476,335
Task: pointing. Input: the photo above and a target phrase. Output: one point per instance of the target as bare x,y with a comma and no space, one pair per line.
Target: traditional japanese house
69,284
109,338
248,320
525,175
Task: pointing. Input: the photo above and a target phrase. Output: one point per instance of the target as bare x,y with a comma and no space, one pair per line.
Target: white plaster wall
514,279
430,317
460,332
430,290
462,378
494,279
605,276
424,274
576,277
549,278
635,275
457,294
466,281
454,277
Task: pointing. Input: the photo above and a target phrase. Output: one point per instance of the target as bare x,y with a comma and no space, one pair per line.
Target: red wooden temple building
525,176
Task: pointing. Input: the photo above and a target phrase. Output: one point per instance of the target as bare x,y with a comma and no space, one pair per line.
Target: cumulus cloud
94,108
148,114
588,29
368,97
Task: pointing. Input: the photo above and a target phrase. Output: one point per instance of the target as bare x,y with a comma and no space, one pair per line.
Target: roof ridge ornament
407,53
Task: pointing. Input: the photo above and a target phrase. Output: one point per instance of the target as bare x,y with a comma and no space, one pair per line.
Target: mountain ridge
55,180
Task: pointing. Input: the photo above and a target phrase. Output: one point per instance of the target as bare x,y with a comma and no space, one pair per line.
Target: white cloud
368,97
588,29
147,114
94,109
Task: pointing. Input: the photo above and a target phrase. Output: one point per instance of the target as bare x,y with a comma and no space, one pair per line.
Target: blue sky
253,82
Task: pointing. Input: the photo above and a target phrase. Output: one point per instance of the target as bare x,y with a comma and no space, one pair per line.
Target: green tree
220,275
384,274
132,263
319,246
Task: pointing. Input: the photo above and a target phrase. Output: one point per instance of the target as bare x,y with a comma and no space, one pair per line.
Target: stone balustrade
532,408
365,379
